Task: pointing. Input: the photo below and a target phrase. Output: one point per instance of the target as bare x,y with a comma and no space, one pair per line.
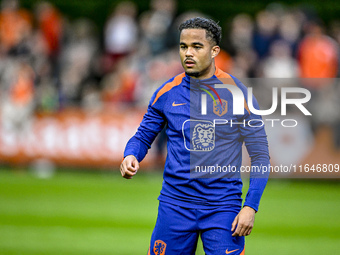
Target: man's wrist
129,156
250,208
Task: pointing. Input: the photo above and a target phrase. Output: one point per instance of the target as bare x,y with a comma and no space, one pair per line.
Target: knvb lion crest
199,135
203,137
159,247
220,109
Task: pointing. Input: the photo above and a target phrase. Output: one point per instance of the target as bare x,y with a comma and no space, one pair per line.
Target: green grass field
101,213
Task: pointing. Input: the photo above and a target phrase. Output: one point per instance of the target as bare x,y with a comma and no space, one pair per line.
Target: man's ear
215,50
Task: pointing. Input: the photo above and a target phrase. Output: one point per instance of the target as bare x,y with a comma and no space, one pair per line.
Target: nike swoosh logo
228,252
174,104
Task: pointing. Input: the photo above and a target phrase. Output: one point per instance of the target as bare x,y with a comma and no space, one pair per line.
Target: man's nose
188,53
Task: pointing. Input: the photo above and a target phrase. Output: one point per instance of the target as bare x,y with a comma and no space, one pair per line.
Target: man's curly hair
213,30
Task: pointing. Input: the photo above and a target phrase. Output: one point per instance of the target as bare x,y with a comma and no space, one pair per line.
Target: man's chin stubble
193,74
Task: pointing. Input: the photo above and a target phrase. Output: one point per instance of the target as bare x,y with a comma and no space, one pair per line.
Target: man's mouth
189,63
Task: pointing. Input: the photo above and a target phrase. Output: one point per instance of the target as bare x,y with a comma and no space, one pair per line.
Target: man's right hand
129,166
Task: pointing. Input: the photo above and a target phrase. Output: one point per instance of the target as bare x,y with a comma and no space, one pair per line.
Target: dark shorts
177,230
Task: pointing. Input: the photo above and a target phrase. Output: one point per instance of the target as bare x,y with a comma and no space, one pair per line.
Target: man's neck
207,74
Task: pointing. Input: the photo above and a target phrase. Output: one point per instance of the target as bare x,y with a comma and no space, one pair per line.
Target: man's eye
197,47
183,47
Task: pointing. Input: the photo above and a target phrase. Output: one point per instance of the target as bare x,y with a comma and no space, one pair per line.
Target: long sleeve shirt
205,137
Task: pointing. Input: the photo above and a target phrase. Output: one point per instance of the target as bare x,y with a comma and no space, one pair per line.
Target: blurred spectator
50,25
241,32
318,58
244,64
280,63
290,29
17,99
317,55
76,61
15,27
265,32
121,33
158,31
119,86
157,71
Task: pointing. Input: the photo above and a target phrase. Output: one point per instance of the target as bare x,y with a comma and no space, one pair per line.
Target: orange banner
71,137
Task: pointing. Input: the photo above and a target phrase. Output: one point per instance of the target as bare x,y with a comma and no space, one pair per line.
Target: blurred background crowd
49,63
